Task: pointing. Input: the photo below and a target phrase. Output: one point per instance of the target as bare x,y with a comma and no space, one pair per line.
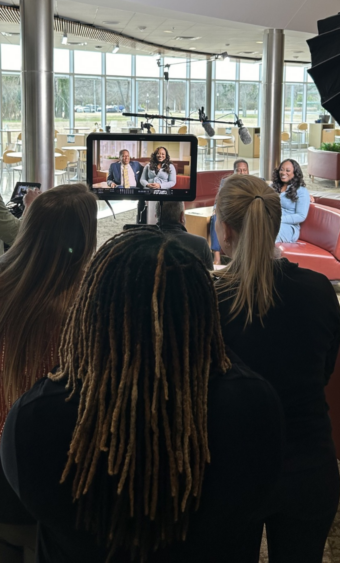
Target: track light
64,39
115,49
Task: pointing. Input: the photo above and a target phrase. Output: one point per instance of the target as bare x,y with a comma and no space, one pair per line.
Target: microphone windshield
244,135
208,129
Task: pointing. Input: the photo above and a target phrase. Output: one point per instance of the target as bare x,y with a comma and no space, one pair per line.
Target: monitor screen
142,166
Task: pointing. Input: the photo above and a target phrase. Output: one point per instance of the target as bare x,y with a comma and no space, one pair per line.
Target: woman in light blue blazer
295,199
160,174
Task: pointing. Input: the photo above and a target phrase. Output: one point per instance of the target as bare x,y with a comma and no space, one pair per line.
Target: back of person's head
170,212
143,337
252,210
40,273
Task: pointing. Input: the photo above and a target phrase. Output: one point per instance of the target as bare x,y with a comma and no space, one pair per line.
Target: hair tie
266,208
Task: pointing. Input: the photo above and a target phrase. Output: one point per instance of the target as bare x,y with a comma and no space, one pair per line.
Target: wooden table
198,221
76,129
18,154
79,149
214,139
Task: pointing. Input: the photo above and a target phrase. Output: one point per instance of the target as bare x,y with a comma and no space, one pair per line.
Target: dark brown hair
165,165
295,183
39,276
143,337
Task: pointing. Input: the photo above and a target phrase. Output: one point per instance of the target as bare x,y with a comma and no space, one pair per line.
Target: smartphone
21,189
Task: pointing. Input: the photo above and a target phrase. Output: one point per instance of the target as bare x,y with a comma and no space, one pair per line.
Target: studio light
64,39
115,49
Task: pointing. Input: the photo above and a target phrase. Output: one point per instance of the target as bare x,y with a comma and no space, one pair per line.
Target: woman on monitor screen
159,174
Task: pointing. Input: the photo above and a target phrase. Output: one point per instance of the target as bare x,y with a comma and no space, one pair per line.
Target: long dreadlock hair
142,337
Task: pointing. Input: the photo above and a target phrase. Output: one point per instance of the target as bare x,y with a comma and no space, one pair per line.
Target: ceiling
212,34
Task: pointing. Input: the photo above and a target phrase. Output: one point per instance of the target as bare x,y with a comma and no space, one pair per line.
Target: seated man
172,222
125,173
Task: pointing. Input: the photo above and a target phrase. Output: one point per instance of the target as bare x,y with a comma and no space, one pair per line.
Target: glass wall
93,87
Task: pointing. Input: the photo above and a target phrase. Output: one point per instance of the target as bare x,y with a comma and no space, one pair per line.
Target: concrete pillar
272,91
37,91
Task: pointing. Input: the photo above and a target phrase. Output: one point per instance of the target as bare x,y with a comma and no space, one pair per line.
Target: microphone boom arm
151,116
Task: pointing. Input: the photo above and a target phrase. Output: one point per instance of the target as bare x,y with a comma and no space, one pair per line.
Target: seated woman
150,400
159,174
284,323
295,200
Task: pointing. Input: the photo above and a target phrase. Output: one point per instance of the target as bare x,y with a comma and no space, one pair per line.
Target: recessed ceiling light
142,28
227,44
98,46
9,33
186,38
192,48
168,31
111,23
297,51
259,42
76,43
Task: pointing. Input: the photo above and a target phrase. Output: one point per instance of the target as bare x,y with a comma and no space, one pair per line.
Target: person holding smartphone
9,225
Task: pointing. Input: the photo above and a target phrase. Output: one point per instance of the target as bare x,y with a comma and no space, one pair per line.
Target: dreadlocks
142,337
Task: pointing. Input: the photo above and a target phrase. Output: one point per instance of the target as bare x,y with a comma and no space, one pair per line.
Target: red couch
207,186
318,247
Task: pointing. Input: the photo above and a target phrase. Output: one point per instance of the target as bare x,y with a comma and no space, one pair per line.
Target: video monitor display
142,166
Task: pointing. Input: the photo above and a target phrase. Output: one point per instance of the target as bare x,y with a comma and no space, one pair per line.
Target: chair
153,130
285,140
9,160
227,144
301,130
60,165
72,161
183,130
336,135
59,151
202,146
18,142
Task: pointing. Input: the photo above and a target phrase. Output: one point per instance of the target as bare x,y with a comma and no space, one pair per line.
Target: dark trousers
305,509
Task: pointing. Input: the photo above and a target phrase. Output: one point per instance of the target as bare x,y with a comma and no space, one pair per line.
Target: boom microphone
243,132
205,122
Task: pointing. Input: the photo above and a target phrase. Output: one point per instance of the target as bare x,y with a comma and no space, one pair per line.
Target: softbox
325,70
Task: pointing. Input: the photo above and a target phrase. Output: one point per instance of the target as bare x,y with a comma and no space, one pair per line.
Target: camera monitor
142,166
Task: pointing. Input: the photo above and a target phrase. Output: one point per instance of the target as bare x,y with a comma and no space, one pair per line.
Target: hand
153,185
312,199
111,184
31,196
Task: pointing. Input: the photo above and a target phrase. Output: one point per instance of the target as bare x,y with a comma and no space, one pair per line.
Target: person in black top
157,437
283,322
171,219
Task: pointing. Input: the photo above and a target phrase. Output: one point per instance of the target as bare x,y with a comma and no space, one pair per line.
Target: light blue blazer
293,213
166,181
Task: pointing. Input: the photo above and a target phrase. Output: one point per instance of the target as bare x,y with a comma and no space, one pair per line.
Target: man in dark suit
172,223
125,173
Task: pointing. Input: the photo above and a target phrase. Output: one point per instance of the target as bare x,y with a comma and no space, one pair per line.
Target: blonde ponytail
252,209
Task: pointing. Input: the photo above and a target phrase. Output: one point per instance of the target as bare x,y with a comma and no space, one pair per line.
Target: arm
145,176
9,225
171,179
208,261
301,208
110,179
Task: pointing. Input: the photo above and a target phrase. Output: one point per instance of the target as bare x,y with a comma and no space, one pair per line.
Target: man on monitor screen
125,173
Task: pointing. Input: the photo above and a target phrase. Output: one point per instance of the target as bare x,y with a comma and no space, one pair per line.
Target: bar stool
285,140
